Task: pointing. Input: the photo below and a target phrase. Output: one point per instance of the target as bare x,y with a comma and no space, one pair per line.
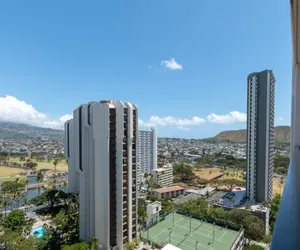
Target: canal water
29,195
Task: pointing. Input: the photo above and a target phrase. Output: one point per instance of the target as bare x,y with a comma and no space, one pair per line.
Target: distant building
163,176
101,148
153,210
260,135
170,192
202,192
147,151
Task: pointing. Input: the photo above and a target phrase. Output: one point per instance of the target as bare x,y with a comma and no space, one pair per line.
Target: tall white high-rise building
260,135
147,150
102,147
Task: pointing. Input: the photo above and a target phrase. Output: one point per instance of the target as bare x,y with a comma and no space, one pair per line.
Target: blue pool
38,232
238,197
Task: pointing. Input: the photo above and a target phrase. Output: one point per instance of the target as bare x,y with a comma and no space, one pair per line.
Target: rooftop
168,189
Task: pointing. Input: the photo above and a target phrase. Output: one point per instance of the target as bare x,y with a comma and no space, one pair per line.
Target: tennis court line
159,233
199,244
222,236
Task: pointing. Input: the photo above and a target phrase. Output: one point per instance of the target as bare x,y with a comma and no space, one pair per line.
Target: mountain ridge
282,134
19,131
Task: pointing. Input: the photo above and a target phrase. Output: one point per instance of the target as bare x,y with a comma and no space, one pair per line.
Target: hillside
282,134
15,131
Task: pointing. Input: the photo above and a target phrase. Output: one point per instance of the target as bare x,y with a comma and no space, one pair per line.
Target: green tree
39,179
94,244
231,183
183,172
253,247
14,221
142,211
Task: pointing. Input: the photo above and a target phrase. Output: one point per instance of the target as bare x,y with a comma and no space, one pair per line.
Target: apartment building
164,175
147,150
101,148
260,135
170,192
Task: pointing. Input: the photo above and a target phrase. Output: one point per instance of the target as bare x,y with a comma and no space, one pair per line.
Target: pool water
38,232
239,197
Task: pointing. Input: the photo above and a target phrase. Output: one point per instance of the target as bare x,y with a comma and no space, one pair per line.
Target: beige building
163,176
170,192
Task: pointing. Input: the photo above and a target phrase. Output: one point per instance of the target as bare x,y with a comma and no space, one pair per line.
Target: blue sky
55,55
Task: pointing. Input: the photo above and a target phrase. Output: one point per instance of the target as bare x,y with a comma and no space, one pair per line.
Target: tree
216,183
14,221
39,179
203,182
94,244
231,183
184,172
142,211
253,247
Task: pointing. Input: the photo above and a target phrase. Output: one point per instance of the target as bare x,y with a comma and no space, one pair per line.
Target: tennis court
189,234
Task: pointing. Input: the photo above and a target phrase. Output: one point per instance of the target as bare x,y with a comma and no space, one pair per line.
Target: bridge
35,185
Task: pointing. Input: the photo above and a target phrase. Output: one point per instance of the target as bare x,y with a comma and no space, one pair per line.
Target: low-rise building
164,175
170,192
202,192
153,210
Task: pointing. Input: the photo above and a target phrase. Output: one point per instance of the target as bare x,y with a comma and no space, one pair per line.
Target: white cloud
171,121
280,118
232,117
171,64
14,110
183,128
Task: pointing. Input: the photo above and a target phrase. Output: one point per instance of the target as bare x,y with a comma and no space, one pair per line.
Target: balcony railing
287,227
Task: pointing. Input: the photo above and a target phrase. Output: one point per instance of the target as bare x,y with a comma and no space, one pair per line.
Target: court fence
211,220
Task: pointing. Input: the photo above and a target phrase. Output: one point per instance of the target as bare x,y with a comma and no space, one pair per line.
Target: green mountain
282,134
16,131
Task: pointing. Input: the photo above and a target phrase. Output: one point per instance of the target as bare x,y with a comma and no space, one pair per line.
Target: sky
184,63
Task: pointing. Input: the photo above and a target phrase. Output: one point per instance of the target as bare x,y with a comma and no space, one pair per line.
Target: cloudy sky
184,63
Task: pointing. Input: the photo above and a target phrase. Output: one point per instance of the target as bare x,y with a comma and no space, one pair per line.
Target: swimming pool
238,197
38,232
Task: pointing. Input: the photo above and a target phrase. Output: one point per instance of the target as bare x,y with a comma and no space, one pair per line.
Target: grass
8,171
208,173
187,231
60,167
12,178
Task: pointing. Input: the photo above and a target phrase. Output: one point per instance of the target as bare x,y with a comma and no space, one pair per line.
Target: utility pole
196,247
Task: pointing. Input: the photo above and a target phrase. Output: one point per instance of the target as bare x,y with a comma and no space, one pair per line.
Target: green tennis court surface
190,234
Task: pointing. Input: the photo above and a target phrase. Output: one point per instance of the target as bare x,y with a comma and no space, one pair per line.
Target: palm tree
39,178
94,244
5,205
55,162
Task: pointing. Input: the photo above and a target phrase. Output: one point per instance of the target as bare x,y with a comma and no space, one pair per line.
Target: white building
101,148
163,176
153,210
147,150
260,135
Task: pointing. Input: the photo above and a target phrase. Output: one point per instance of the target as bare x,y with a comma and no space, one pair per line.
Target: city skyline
177,62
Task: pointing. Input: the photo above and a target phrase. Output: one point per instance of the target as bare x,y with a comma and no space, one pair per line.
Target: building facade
147,150
153,210
260,135
102,148
164,175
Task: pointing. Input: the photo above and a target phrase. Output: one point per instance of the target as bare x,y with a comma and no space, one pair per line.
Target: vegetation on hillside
282,134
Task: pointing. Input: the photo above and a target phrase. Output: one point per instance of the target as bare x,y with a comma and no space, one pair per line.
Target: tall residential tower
260,135
147,150
101,148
